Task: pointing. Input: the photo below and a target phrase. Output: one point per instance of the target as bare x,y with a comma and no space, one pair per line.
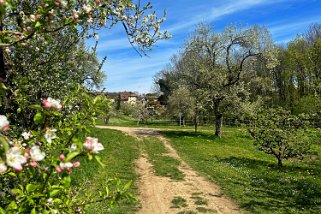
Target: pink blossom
58,169
92,145
33,163
26,135
69,170
4,123
66,165
15,159
36,154
3,167
51,103
76,164
50,135
62,157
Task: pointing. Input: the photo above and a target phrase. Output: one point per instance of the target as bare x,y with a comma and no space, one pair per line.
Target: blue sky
126,70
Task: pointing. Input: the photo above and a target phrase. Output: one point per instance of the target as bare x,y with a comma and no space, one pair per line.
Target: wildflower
36,154
15,159
4,123
33,163
50,103
26,135
50,135
3,167
62,157
92,145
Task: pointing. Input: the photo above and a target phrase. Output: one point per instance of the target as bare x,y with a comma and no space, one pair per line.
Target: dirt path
156,193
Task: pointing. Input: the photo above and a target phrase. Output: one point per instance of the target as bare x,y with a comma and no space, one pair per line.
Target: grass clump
178,202
163,165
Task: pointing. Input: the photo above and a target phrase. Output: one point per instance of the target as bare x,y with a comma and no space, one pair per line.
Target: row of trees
239,70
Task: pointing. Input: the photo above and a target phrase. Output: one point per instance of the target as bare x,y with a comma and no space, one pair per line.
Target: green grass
250,176
119,155
178,202
163,165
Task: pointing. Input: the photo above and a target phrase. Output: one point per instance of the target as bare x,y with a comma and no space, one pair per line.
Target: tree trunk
280,164
218,125
195,120
218,118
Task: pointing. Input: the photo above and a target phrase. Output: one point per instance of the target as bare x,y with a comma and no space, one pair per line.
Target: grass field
249,176
119,155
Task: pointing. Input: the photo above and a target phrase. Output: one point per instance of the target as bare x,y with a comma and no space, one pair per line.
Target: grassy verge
249,176
119,155
163,165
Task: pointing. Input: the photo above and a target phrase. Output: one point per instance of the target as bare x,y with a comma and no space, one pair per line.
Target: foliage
38,165
42,55
180,104
277,132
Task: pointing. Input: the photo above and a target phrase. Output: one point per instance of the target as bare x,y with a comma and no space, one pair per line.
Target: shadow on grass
269,189
180,134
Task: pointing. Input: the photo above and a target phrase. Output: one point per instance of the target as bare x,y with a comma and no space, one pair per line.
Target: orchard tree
180,105
278,133
225,57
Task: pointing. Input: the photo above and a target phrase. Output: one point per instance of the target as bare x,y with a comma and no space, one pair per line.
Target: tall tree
225,57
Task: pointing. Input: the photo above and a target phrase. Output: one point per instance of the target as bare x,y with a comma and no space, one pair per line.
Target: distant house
129,97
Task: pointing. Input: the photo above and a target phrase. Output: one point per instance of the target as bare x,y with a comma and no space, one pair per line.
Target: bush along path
167,184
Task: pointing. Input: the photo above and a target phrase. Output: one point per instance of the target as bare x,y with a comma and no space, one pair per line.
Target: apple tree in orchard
212,65
43,75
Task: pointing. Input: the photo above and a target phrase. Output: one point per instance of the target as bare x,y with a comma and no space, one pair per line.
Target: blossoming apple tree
36,160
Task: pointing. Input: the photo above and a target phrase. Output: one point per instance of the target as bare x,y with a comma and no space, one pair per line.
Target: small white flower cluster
16,156
51,103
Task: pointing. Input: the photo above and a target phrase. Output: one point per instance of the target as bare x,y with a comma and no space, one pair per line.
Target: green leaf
4,143
126,187
98,159
66,181
72,154
33,211
12,206
38,24
2,211
17,191
38,118
31,188
54,192
36,107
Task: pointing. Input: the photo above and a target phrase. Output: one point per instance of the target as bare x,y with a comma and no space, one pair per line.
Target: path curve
156,192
